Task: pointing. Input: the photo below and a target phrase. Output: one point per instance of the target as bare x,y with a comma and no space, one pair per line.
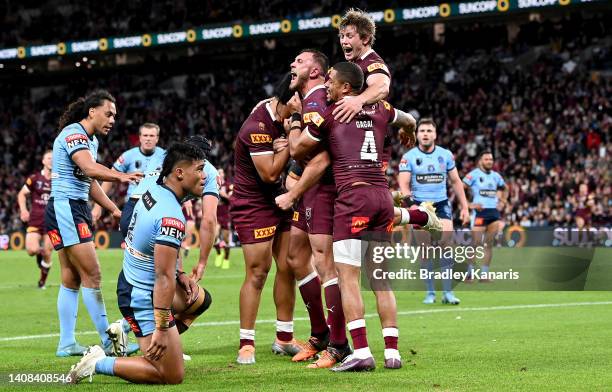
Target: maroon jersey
355,147
371,63
315,103
40,189
255,138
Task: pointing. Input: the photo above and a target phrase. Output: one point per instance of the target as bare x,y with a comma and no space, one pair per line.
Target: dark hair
426,120
483,153
320,58
200,142
179,152
349,73
281,90
79,109
364,24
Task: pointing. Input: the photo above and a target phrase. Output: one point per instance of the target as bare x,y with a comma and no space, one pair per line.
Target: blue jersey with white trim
484,187
157,219
134,160
429,172
67,179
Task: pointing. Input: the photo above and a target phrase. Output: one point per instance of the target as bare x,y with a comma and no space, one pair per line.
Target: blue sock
97,311
429,283
446,265
470,271
484,268
105,366
67,308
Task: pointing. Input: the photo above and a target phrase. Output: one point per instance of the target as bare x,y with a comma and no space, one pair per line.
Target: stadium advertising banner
430,13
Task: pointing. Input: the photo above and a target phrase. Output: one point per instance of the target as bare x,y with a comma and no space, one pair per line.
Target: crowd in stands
545,114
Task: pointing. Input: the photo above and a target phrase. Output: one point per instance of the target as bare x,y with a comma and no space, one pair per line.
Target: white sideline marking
369,315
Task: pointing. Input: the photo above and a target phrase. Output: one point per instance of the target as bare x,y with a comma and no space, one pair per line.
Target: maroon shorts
363,209
36,224
319,209
299,217
223,216
258,220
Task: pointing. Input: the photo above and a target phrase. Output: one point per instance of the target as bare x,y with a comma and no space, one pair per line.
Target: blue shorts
486,216
68,222
126,216
136,306
443,209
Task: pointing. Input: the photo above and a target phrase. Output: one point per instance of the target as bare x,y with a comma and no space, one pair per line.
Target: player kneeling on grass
147,286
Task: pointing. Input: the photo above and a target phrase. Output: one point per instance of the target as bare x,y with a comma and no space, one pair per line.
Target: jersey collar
84,130
428,153
270,112
366,54
145,154
312,90
171,191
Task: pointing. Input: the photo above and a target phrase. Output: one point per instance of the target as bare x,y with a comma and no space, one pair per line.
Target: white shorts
348,252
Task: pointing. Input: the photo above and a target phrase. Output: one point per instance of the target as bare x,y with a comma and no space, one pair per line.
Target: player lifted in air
261,156
489,196
153,295
364,202
423,175
38,186
68,216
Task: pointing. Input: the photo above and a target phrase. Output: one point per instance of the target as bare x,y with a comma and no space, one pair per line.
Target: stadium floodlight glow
78,64
84,59
1,66
23,66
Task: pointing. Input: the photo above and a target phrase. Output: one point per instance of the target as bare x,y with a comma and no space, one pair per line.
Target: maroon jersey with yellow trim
255,138
315,103
40,190
355,147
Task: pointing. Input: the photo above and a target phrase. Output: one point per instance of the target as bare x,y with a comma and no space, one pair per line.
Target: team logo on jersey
359,223
148,200
296,216
419,161
55,237
440,159
481,179
138,164
75,140
374,66
261,126
173,227
120,160
312,104
84,230
387,105
431,168
430,178
313,117
264,232
469,177
260,138
403,164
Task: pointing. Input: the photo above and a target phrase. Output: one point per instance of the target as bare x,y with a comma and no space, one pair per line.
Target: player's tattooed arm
311,176
24,214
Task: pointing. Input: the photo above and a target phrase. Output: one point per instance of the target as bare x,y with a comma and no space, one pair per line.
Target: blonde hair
364,24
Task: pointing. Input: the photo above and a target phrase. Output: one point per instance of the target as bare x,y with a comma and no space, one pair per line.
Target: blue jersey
484,187
134,160
429,172
68,180
158,219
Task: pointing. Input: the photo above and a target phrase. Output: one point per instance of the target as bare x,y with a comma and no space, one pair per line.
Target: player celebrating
363,203
68,217
38,185
260,159
135,160
223,223
423,173
147,286
488,198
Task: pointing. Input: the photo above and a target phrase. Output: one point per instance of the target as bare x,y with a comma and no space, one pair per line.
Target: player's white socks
301,283
391,336
404,215
247,334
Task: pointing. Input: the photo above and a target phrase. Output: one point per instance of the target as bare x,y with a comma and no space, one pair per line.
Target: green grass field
493,341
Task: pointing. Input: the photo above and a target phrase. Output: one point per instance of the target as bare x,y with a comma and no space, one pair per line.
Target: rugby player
68,216
148,286
489,196
261,155
135,160
364,202
423,174
38,186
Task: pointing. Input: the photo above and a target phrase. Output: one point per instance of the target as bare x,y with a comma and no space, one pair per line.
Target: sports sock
335,314
429,282
247,337
357,328
310,289
105,366
391,336
446,264
284,330
484,268
227,252
67,308
97,311
470,271
418,217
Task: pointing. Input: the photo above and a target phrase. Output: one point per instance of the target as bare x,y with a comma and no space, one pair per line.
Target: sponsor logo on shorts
389,227
430,178
148,200
308,213
133,324
260,138
359,223
76,140
55,237
487,192
478,221
374,66
313,117
296,216
264,232
84,230
173,227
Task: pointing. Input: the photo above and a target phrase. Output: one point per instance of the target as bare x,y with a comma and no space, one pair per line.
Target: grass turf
444,348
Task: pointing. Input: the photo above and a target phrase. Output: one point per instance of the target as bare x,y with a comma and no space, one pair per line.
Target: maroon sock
358,334
390,334
227,249
217,249
247,342
335,315
311,294
284,330
418,217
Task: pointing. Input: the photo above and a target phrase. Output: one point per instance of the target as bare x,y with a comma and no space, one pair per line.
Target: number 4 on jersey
368,148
